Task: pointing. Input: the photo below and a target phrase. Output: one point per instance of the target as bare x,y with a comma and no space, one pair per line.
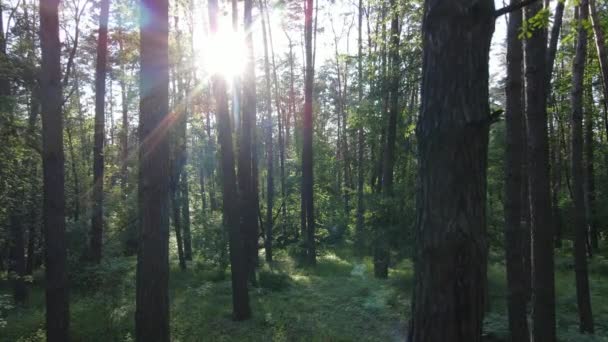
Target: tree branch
512,7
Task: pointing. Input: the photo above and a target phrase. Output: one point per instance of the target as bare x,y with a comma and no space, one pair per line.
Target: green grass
339,300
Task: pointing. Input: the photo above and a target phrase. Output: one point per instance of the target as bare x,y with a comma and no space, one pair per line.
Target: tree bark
576,98
96,237
515,231
307,132
57,307
231,217
359,232
247,176
269,147
589,172
152,297
543,282
451,255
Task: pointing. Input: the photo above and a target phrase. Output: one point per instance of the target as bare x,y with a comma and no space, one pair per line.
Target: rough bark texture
57,310
238,261
543,282
98,167
247,175
152,297
576,163
307,133
451,255
515,231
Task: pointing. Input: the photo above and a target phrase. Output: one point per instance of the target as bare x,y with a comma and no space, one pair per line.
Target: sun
224,53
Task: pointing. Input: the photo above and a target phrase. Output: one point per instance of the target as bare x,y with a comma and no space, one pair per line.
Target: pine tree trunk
451,256
600,44
307,134
580,252
589,172
231,217
56,280
543,282
269,146
152,296
359,232
98,155
515,231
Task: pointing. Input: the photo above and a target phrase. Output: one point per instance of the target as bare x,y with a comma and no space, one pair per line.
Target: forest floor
339,300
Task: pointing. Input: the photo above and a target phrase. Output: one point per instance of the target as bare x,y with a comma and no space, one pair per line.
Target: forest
303,170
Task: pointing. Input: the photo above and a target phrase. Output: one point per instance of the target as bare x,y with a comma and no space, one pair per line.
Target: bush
274,281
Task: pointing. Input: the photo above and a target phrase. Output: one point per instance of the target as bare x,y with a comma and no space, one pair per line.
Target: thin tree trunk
96,237
382,246
185,195
246,176
359,233
451,248
238,257
307,130
589,173
56,282
580,253
152,281
543,282
269,146
515,231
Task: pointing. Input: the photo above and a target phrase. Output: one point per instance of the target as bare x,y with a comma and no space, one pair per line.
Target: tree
451,248
359,238
152,296
543,282
515,232
238,256
308,216
98,155
247,170
57,307
600,44
576,98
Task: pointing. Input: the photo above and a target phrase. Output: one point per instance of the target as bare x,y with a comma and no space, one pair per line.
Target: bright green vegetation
339,300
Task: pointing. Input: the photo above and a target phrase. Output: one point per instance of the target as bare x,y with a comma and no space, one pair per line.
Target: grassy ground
339,300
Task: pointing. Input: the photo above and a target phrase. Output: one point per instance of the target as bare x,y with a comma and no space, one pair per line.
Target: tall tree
269,145
247,170
307,133
451,248
152,296
240,295
359,238
515,231
543,282
576,163
381,251
53,212
98,159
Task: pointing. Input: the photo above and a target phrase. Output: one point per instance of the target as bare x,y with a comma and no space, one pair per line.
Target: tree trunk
600,44
589,173
543,282
515,231
359,232
238,257
98,155
307,132
176,205
382,246
246,178
152,297
269,147
185,195
56,280
451,256
576,98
